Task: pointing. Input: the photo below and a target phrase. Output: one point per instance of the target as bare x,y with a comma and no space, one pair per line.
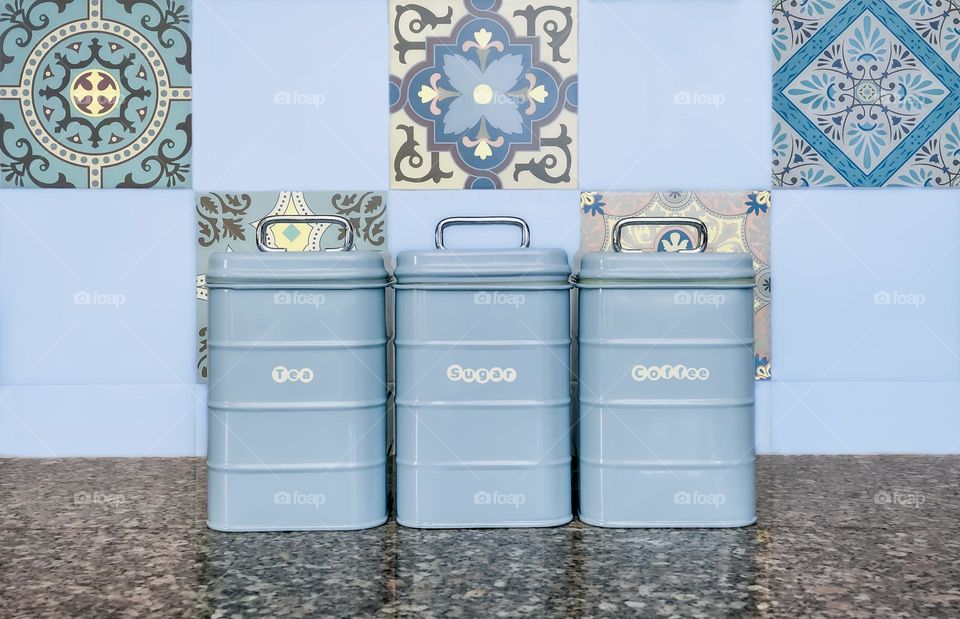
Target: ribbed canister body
666,422
483,407
297,397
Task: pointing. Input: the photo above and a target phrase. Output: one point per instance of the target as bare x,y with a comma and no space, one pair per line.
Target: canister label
641,373
457,373
281,375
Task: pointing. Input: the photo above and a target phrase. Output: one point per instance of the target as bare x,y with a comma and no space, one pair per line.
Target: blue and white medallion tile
95,93
866,93
483,94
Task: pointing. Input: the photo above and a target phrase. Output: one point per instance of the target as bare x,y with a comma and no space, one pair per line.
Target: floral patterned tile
736,222
483,94
95,93
866,93
227,220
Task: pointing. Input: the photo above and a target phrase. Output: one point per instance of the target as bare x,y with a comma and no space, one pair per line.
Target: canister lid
659,269
304,270
522,266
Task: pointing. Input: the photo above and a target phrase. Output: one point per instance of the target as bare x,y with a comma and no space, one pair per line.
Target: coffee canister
297,398
666,378
483,406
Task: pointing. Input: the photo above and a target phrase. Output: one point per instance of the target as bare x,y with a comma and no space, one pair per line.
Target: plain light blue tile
59,421
553,217
640,60
329,57
839,255
97,287
866,417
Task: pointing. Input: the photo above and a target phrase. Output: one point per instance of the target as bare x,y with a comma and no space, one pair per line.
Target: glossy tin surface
297,397
666,422
483,407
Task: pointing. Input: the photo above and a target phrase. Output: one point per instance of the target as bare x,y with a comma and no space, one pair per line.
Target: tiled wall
853,373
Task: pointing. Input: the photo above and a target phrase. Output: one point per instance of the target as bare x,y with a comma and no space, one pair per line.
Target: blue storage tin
666,423
483,406
297,396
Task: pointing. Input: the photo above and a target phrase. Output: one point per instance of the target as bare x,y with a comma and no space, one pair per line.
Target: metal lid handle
700,227
273,220
485,221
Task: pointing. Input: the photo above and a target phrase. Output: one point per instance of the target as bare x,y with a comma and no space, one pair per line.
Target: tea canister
297,398
482,407
666,421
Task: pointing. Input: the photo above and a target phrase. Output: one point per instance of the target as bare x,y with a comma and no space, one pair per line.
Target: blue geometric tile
95,93
866,93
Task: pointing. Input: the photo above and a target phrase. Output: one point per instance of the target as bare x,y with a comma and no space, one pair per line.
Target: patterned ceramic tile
736,222
483,94
95,93
226,221
866,93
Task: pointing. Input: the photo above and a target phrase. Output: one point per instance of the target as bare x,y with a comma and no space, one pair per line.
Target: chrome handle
700,227
273,220
485,221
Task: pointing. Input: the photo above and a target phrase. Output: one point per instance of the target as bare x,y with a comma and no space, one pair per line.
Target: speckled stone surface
853,536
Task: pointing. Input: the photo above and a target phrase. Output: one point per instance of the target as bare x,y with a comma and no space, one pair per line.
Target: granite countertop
857,536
